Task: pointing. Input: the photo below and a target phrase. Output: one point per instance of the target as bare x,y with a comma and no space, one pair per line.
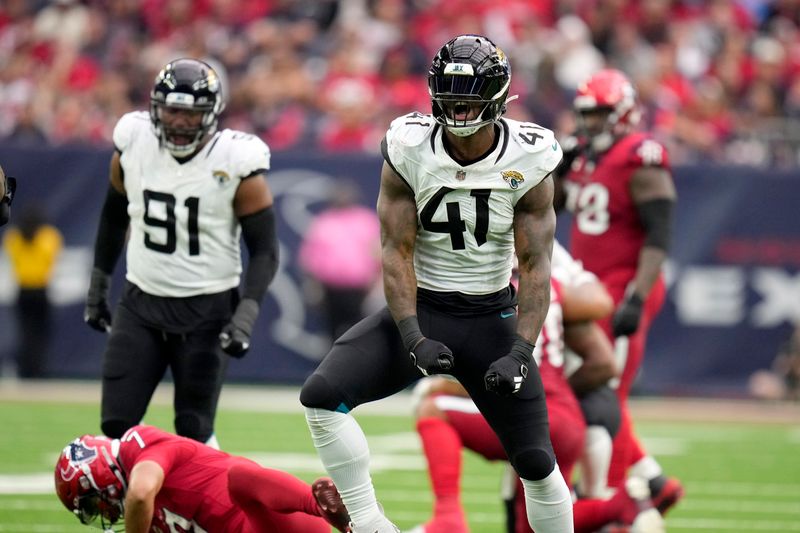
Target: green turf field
738,476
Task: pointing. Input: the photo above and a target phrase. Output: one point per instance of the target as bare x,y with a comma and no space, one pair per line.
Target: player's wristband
522,348
410,332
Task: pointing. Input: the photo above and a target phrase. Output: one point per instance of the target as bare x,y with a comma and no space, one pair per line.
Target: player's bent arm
534,227
114,220
253,207
144,482
397,212
654,195
588,300
591,344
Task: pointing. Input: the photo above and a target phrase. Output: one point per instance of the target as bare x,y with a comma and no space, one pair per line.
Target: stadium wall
734,286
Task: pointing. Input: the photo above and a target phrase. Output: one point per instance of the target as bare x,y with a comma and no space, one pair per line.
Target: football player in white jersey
461,190
187,192
8,187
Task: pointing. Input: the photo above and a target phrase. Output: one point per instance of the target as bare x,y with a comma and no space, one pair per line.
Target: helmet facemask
468,83
90,483
607,92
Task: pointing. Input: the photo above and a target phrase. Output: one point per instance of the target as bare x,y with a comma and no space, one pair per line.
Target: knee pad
534,463
600,407
317,393
194,426
114,429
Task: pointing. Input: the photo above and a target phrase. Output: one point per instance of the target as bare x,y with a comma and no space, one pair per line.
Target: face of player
463,111
595,121
180,125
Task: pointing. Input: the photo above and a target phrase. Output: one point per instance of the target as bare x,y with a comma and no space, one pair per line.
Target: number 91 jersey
184,234
465,240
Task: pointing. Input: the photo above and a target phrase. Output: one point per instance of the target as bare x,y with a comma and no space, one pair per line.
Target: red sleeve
647,152
148,443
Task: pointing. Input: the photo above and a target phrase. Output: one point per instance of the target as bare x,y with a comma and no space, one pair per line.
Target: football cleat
645,519
667,492
330,504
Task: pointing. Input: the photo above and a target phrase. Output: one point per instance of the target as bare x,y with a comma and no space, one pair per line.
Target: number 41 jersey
465,240
184,234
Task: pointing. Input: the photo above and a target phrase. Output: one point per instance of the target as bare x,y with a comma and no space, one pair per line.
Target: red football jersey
549,350
194,497
607,233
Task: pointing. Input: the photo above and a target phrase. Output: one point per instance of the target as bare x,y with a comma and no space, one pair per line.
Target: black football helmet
469,70
186,84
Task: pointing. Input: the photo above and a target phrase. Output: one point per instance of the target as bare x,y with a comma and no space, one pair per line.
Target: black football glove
627,316
506,375
235,336
97,313
430,356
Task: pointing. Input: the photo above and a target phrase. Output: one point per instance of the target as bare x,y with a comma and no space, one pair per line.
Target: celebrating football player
187,192
461,190
619,188
154,481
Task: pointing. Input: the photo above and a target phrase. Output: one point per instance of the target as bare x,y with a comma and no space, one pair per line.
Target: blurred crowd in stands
720,79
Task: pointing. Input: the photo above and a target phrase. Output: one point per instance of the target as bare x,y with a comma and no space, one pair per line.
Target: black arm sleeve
8,197
656,216
111,232
261,239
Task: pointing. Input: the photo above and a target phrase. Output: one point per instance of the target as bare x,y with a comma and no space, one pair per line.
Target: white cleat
648,520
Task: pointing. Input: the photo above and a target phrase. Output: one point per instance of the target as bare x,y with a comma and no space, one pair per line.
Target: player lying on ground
154,481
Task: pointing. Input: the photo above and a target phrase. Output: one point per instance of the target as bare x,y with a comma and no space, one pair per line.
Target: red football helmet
611,91
90,482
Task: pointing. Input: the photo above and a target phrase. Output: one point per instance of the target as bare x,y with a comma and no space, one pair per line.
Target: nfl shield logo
461,175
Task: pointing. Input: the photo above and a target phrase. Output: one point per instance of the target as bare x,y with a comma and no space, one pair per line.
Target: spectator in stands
58,54
33,247
341,251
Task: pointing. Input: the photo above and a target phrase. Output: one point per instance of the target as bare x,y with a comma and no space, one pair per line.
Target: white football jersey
568,270
465,241
184,234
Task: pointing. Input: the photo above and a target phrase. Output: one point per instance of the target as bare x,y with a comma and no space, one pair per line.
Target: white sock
548,504
595,461
213,442
342,447
646,467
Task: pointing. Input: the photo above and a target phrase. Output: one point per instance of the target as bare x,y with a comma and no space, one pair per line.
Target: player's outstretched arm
592,345
654,195
534,228
110,241
397,210
253,208
144,482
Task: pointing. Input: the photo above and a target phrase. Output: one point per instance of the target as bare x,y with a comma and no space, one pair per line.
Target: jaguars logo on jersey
513,178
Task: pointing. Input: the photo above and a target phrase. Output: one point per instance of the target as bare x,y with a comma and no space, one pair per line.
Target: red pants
626,449
274,501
